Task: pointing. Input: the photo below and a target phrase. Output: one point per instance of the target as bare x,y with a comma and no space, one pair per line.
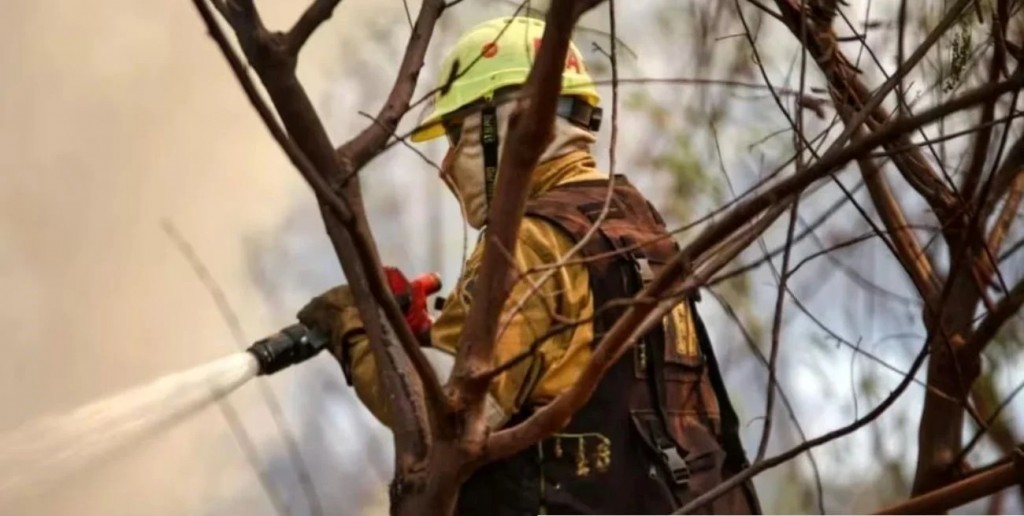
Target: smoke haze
113,116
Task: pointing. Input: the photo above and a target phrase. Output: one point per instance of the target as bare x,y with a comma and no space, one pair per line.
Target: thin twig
776,330
426,159
808,228
752,346
989,327
980,150
231,319
754,469
1017,246
988,423
408,15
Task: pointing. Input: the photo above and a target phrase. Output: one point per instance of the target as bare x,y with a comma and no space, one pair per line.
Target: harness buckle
677,466
646,272
642,266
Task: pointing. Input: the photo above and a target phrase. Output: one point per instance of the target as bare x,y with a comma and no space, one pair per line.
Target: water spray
39,454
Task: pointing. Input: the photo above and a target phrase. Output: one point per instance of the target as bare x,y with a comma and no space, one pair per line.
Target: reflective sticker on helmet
572,60
489,50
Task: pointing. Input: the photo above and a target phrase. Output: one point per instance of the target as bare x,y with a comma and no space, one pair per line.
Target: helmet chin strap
489,144
576,111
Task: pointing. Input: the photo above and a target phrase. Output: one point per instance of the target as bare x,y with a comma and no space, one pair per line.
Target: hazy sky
114,115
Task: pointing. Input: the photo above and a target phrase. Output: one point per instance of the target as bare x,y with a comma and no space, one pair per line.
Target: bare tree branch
983,138
831,160
356,152
903,105
989,327
294,154
1009,170
983,483
776,331
315,15
925,141
1010,209
907,249
756,468
847,90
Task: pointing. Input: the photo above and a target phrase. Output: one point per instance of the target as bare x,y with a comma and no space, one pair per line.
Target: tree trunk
432,488
952,369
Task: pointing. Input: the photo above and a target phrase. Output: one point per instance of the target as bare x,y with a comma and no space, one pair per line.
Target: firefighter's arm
362,374
335,312
525,325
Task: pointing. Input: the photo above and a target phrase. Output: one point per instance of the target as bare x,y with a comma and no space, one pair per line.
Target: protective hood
463,167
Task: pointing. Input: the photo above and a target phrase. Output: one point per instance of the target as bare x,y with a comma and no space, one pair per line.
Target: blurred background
119,116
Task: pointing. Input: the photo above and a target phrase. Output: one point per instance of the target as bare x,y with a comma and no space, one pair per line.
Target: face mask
463,166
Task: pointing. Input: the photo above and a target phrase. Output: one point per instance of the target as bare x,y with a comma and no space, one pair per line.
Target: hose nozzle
292,345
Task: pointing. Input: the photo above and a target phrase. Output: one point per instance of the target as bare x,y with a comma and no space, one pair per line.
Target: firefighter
659,429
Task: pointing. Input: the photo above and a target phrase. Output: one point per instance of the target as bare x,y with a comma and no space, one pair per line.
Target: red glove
412,298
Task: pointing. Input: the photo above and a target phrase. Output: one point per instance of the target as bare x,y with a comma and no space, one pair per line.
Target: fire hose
296,343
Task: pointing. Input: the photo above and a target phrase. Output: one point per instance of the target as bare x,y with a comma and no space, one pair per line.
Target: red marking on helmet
489,50
572,60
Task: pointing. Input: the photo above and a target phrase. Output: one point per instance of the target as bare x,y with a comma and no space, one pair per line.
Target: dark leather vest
659,429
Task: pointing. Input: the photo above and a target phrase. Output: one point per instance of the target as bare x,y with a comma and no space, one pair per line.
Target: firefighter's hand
334,313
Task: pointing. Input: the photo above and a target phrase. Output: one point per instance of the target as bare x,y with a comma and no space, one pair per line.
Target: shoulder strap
627,219
735,455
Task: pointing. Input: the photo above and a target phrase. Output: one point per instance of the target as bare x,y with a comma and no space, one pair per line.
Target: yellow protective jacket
565,296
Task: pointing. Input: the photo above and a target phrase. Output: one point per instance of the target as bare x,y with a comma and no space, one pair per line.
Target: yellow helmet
491,56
